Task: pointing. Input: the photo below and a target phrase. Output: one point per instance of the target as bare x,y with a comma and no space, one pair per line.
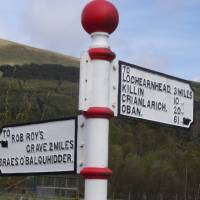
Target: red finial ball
100,16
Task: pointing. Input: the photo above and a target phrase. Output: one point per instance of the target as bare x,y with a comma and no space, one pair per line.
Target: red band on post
96,173
102,54
99,112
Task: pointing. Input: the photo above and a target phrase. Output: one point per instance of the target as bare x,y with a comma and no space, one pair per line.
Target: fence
41,187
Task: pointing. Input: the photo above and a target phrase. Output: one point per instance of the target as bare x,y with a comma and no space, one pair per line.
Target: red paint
102,54
96,173
99,112
100,16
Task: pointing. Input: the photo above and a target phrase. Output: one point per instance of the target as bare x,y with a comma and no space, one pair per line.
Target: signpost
44,147
149,95
99,19
57,146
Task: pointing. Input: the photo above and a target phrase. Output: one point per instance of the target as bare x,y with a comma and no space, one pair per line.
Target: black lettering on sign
12,161
71,144
67,158
123,88
183,93
67,144
123,98
35,136
28,148
131,110
27,160
56,146
21,161
9,162
16,161
133,90
39,147
55,158
126,69
6,133
128,99
176,119
60,158
42,135
123,108
4,162
17,138
51,146
40,160
176,100
177,110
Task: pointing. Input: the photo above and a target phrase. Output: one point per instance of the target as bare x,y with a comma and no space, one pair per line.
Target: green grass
196,88
36,100
16,196
151,155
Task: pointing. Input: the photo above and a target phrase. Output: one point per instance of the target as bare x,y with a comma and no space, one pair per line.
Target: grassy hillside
155,158
12,53
149,161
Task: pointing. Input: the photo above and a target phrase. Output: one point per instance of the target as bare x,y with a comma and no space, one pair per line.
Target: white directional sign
146,94
43,147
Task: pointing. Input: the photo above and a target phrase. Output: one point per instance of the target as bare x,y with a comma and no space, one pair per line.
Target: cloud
56,25
144,51
197,79
161,35
154,34
3,32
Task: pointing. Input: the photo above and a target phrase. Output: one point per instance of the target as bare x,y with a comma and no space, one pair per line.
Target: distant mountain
12,53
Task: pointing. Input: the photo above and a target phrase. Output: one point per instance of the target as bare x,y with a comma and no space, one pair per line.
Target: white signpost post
149,95
44,147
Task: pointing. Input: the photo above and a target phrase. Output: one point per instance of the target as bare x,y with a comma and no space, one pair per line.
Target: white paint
166,111
85,82
95,93
95,189
97,142
94,83
81,137
62,133
113,92
98,74
99,40
100,82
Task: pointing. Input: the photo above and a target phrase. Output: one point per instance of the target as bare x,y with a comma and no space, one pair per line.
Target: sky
163,35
